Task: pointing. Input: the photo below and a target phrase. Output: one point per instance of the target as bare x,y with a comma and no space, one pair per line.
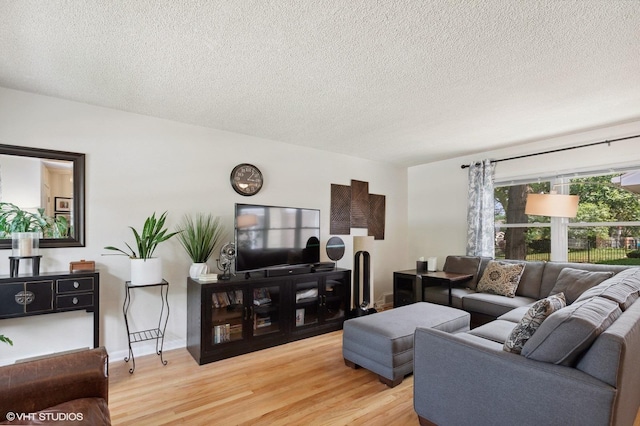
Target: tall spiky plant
200,235
147,241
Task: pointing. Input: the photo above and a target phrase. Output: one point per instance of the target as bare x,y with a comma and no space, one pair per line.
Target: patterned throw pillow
501,278
530,322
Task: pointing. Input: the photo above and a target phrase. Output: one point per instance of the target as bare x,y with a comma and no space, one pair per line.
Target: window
605,230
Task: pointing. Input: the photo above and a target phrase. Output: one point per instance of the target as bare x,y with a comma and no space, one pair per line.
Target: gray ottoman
383,342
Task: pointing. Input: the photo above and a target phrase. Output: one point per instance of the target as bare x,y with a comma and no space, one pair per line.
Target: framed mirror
48,184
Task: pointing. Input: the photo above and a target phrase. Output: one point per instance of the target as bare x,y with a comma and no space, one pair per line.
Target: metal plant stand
151,334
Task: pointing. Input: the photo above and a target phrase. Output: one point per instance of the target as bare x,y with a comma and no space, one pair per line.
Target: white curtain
480,210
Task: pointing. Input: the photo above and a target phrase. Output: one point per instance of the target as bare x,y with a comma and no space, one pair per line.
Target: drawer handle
25,297
75,300
76,284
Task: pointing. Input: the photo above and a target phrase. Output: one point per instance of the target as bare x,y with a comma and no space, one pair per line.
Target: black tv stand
238,316
287,270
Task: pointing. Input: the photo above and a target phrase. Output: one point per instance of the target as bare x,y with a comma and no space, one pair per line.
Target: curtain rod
464,166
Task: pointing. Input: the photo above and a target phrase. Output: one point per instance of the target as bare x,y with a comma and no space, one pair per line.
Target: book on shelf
261,296
222,333
222,299
260,321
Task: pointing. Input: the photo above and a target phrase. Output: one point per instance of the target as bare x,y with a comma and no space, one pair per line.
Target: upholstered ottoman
383,342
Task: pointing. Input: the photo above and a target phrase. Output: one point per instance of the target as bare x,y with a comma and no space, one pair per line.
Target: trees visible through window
605,230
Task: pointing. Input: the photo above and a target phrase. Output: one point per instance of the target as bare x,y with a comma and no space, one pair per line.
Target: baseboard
147,348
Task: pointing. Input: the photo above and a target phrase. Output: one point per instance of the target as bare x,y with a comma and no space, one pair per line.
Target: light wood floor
301,383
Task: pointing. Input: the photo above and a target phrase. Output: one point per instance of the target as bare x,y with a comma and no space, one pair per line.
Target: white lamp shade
554,205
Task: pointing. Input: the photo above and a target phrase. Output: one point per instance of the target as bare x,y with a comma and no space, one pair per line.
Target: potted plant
146,269
24,226
199,236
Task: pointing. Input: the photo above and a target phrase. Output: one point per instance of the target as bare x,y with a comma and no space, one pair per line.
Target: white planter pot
198,269
146,271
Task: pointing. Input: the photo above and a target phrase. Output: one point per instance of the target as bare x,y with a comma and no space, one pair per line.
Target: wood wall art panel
359,204
376,216
340,210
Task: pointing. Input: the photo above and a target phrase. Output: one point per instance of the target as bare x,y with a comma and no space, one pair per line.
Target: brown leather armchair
72,388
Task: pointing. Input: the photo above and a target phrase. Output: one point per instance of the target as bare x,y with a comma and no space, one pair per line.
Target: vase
198,269
25,244
146,271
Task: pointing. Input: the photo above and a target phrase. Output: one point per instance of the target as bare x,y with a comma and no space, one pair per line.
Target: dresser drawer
75,285
74,301
9,303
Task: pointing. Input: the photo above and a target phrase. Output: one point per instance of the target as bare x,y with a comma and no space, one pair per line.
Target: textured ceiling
399,81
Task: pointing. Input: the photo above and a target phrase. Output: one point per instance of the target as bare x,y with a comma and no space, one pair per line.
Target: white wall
20,181
136,165
438,191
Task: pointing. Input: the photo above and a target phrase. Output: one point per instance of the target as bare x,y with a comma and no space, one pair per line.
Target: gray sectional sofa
581,366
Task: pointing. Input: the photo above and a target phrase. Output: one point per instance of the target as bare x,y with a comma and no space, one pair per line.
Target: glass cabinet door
307,298
335,298
226,316
266,310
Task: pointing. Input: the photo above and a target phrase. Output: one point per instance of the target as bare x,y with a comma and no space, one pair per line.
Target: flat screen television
270,237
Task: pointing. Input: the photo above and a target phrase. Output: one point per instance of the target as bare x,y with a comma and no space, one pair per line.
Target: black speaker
361,307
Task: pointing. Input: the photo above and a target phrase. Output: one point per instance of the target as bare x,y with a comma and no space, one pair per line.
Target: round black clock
246,179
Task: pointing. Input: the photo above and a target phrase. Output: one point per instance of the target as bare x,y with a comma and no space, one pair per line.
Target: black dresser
49,293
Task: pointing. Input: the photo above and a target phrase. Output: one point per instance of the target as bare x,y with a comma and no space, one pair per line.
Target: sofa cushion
531,277
623,288
532,320
573,282
516,314
501,278
552,272
567,333
493,304
497,331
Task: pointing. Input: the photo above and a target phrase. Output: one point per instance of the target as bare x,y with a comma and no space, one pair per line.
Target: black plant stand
154,333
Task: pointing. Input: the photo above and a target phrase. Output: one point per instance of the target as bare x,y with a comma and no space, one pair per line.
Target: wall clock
246,179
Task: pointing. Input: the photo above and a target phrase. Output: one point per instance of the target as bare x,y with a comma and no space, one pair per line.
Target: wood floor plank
300,383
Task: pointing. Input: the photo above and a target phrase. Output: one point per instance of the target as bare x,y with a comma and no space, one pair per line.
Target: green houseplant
14,219
199,236
146,269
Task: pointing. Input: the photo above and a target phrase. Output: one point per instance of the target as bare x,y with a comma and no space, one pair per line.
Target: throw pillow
566,334
530,322
501,278
574,282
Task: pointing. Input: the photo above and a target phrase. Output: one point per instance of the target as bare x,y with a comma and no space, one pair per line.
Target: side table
441,278
151,334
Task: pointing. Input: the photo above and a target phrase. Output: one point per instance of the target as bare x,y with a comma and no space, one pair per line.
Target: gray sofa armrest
459,379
